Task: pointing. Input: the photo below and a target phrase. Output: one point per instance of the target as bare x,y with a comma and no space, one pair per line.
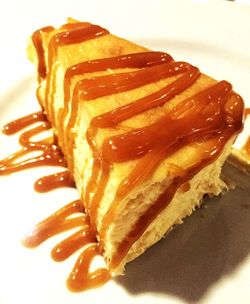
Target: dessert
144,138
143,135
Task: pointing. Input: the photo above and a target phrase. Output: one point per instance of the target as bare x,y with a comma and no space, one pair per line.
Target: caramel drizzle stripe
21,123
38,44
96,87
80,32
53,181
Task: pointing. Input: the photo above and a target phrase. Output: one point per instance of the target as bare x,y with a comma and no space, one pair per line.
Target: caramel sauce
185,187
37,42
74,33
53,181
50,154
212,115
19,124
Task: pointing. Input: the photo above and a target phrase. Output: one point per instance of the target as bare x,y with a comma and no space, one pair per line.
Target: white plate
207,259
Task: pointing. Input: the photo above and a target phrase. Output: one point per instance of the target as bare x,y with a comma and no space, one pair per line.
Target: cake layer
144,136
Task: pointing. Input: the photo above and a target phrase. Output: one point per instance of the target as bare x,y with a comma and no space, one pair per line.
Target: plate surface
206,260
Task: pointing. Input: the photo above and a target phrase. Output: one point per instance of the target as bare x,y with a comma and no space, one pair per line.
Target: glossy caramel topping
49,153
115,83
206,118
80,278
53,181
18,124
38,44
74,33
159,98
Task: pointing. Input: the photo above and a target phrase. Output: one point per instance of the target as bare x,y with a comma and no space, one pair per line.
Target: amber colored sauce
49,153
214,114
74,33
37,41
18,124
185,187
80,278
53,181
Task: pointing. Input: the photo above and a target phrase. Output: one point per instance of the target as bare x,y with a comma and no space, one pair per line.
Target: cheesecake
143,135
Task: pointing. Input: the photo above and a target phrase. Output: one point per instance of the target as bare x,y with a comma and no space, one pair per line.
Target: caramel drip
38,44
75,33
19,124
80,278
49,153
53,181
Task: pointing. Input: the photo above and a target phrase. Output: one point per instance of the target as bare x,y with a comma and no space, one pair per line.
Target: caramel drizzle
53,181
38,44
74,33
80,277
49,153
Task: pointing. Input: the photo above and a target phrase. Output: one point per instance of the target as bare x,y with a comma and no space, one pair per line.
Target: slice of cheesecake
144,136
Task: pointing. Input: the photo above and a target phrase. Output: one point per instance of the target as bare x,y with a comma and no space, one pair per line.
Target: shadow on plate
196,255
